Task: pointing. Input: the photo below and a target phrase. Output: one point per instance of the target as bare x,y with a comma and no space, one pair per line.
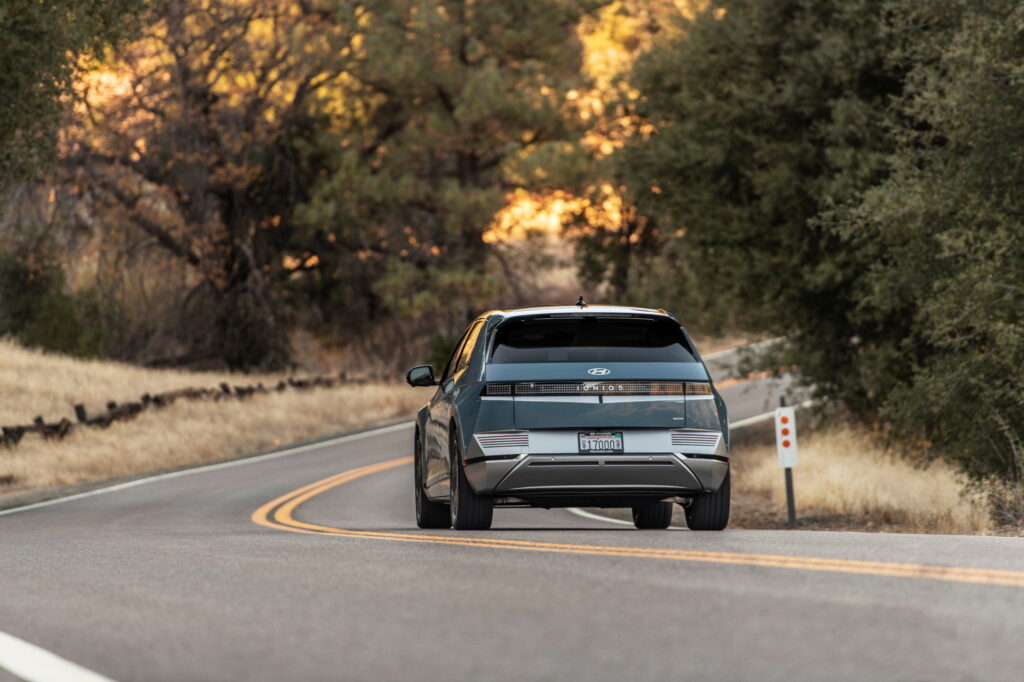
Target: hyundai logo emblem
599,371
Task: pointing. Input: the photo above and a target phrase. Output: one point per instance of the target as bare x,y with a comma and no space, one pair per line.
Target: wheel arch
457,430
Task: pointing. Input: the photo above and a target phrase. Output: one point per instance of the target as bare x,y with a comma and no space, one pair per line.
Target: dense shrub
36,309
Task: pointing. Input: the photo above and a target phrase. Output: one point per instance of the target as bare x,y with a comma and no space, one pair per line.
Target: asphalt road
308,566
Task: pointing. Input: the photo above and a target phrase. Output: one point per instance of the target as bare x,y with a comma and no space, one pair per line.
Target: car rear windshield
590,339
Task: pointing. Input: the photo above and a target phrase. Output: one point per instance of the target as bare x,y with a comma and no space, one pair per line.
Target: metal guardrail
11,436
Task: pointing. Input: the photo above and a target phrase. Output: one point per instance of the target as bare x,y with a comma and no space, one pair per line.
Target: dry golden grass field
847,479
188,432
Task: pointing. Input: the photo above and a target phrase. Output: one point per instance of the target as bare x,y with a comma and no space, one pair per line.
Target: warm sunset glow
532,215
612,41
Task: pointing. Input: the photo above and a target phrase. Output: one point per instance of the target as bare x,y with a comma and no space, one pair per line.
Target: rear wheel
710,511
428,514
653,515
469,511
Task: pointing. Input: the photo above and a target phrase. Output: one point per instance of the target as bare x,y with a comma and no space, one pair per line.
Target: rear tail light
697,388
574,388
498,389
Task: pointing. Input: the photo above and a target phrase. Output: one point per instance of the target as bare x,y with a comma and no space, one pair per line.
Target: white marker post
785,445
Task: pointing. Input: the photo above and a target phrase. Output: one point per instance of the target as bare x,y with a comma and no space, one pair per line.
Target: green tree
39,45
616,244
849,174
944,235
762,115
196,155
450,105
35,308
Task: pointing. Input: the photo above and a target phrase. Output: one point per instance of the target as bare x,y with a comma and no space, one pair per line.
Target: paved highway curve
307,566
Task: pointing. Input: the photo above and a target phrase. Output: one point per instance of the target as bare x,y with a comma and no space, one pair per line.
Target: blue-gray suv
595,406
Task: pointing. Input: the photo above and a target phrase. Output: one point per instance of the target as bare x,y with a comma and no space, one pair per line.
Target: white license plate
600,442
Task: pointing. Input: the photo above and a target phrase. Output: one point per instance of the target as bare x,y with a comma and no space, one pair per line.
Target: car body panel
703,412
554,413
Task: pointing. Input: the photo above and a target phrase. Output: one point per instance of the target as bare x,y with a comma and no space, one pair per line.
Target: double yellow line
280,514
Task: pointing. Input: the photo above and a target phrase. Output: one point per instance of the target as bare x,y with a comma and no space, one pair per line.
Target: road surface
308,566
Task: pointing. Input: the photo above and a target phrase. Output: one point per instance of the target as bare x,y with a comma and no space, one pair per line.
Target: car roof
577,310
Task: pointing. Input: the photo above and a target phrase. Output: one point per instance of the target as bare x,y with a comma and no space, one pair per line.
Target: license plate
600,442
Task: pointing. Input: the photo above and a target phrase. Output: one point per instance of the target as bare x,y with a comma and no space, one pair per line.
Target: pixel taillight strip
279,514
578,388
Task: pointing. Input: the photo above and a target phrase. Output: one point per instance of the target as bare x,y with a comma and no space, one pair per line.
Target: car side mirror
421,375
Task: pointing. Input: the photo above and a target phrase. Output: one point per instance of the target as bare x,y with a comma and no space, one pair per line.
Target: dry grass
34,383
846,478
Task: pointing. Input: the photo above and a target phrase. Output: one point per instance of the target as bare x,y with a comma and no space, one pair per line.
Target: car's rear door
441,413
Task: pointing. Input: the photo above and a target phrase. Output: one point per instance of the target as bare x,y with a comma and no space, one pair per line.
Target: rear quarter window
590,339
466,352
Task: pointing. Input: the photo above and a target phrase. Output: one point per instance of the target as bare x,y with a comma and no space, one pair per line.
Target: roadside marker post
785,446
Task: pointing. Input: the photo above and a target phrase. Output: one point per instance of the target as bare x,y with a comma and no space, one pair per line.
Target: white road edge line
214,467
756,419
583,513
35,664
750,346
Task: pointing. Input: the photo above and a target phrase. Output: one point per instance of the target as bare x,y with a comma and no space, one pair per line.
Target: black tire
653,515
428,514
468,510
710,511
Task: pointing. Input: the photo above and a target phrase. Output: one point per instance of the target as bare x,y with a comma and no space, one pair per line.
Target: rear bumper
643,474
546,462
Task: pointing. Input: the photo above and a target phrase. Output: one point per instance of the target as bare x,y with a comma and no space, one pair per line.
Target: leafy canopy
39,45
849,174
451,106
